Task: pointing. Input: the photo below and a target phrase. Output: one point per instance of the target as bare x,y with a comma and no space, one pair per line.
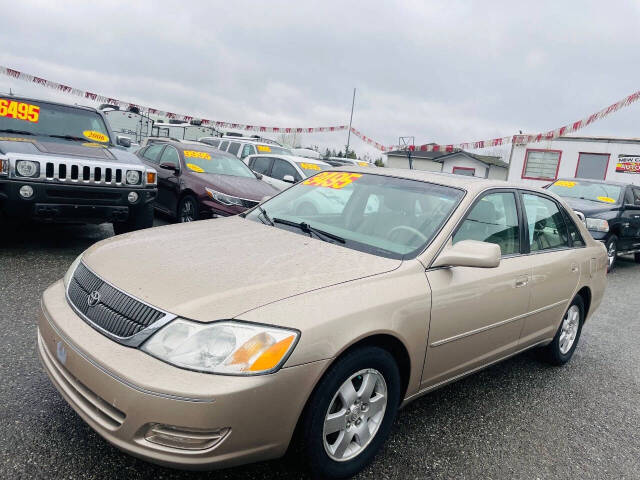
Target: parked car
233,334
196,181
341,162
282,171
610,211
62,163
242,147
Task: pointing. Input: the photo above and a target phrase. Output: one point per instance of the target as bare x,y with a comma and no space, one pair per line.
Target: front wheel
350,414
612,251
561,349
187,209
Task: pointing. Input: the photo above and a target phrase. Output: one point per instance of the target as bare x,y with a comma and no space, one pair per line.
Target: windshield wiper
17,132
69,137
305,227
264,214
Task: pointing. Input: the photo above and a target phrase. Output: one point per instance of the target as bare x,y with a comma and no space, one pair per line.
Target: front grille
114,312
76,172
98,194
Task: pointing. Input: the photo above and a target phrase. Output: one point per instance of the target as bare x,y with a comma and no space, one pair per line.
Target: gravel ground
520,419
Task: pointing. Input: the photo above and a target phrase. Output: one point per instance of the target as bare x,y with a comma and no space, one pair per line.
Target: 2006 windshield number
19,110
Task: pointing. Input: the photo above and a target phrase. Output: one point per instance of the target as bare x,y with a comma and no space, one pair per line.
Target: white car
242,147
282,171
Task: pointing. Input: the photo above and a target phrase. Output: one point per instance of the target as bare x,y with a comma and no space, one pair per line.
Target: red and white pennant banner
429,147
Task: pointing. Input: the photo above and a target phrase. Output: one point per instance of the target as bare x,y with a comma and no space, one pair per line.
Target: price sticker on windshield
336,180
606,199
565,183
19,110
363,164
196,154
310,166
264,148
95,136
195,168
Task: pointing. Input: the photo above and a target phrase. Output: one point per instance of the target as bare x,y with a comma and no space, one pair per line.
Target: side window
373,204
493,219
170,155
152,152
261,164
234,148
212,142
247,150
282,168
224,145
574,233
629,198
547,229
636,196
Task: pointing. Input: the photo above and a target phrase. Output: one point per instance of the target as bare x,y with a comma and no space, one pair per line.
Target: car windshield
385,216
310,169
584,190
274,149
210,161
30,117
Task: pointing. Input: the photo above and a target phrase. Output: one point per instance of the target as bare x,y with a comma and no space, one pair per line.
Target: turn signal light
151,178
4,167
272,355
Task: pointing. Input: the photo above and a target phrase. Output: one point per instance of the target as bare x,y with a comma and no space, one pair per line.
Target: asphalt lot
518,420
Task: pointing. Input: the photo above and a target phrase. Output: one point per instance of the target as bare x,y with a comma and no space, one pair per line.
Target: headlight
227,347
71,270
27,168
133,177
222,198
597,224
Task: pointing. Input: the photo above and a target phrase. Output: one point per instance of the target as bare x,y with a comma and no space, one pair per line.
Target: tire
612,251
142,219
188,210
361,367
558,352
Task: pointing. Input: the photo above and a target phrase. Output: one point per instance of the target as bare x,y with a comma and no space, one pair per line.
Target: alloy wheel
612,251
355,414
569,329
187,211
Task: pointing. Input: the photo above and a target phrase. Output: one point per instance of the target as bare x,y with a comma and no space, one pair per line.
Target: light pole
353,102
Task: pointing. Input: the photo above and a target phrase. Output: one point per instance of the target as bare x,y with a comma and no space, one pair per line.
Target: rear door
477,313
556,266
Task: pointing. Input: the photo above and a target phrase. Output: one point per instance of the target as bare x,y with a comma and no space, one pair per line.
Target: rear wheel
188,209
350,414
561,349
612,251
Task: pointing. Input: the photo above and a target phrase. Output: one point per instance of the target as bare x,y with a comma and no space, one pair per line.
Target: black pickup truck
610,211
62,163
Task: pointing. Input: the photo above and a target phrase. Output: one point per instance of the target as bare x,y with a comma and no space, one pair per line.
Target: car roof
293,158
50,102
604,182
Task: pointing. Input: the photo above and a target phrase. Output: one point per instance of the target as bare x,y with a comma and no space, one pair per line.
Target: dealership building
597,158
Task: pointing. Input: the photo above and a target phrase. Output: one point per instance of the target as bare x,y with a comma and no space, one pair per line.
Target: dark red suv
196,181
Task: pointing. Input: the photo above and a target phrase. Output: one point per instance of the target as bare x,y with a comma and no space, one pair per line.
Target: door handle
574,267
522,281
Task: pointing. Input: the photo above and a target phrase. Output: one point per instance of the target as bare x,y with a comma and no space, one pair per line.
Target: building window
592,165
541,164
470,172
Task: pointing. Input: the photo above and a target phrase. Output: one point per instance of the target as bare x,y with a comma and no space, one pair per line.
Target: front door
630,217
169,180
556,267
477,313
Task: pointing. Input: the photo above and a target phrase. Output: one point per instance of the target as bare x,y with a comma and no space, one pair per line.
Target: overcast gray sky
448,71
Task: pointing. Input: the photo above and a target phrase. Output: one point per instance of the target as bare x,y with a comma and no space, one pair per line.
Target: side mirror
258,175
289,179
123,141
169,166
469,253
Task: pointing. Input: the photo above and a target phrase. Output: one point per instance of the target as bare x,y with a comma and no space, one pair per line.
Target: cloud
446,71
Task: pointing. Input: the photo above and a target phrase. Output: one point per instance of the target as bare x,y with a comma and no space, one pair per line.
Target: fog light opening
184,438
26,191
132,197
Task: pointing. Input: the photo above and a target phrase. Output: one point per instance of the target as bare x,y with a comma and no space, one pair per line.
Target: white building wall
418,163
570,151
497,173
463,161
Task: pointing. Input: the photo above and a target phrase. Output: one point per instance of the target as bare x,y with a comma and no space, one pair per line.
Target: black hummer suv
610,211
60,163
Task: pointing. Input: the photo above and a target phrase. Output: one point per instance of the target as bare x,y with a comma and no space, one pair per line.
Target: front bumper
56,202
121,392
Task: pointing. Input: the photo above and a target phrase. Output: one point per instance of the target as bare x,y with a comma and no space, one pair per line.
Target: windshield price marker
19,110
335,180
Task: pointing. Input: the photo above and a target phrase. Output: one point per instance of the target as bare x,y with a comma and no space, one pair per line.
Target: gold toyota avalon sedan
321,311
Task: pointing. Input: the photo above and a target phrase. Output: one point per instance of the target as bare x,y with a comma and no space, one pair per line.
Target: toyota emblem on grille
94,298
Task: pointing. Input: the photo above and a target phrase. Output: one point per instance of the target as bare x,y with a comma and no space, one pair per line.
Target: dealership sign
628,164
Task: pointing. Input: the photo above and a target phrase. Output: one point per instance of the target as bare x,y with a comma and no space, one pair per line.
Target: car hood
59,147
243,187
221,268
588,207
